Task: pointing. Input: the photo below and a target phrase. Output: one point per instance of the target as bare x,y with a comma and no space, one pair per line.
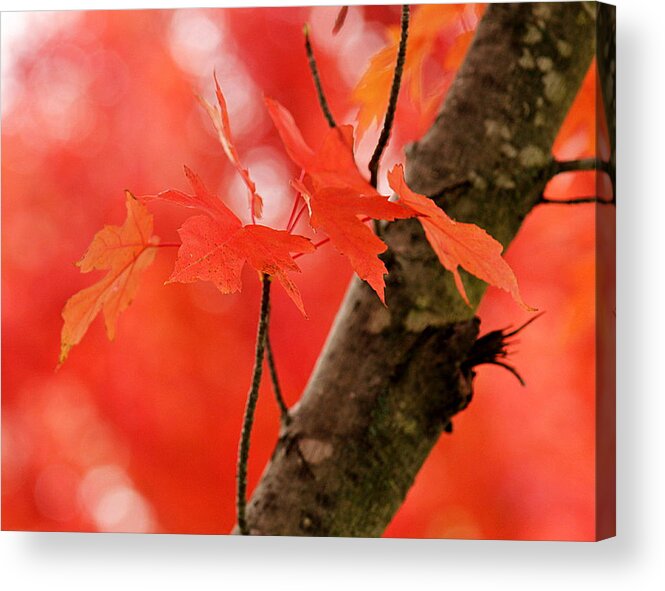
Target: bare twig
284,410
252,397
392,101
317,79
576,201
559,166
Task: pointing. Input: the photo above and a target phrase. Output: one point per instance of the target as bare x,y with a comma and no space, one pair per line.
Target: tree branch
389,380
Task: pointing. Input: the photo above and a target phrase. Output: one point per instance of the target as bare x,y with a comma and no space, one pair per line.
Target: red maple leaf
333,164
458,244
220,119
124,251
339,198
215,246
336,211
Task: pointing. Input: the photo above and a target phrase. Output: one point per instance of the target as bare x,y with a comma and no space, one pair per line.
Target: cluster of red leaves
216,245
337,195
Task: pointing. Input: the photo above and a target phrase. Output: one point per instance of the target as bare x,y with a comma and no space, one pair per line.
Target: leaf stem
298,216
252,397
325,240
296,200
289,223
392,101
316,245
284,410
317,79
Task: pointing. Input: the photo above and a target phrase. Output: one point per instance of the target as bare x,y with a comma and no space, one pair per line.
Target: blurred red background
141,434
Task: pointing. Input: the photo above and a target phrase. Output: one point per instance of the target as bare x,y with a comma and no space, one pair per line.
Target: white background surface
636,558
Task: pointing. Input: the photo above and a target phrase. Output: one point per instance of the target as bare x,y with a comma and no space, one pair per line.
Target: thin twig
317,79
252,397
284,410
392,101
576,201
560,166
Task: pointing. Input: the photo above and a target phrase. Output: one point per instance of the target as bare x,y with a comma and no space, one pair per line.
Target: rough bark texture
389,379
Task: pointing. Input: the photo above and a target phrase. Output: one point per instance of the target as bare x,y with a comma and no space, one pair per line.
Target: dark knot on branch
493,348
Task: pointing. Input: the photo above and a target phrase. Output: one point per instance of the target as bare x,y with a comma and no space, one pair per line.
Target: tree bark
390,379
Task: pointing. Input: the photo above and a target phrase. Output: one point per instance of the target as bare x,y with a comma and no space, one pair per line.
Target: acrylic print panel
323,360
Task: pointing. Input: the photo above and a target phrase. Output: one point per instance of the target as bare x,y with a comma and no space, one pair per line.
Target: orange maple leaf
216,246
458,244
219,115
125,251
339,198
373,89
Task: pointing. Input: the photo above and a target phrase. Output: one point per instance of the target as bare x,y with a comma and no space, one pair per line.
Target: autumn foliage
216,245
158,411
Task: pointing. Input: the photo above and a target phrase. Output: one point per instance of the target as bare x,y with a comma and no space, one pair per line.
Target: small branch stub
493,348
